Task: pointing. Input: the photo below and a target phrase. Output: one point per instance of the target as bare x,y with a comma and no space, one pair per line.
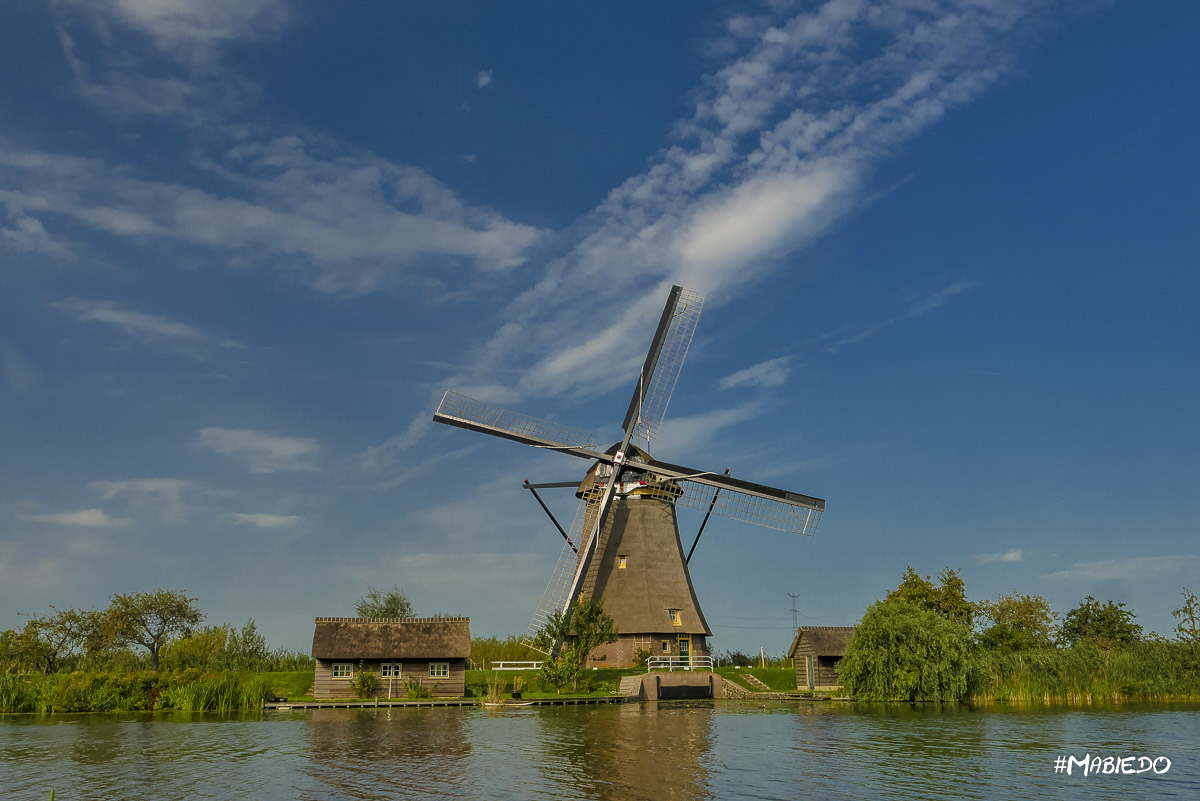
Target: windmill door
685,648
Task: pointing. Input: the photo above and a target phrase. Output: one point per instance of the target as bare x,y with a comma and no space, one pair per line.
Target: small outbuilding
431,650
816,652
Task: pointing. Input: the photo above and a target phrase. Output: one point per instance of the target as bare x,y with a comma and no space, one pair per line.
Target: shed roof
392,638
825,640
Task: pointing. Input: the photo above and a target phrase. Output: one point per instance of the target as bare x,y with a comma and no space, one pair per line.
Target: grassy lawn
780,680
292,685
592,683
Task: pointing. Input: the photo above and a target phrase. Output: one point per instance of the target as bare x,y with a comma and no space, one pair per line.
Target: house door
808,664
685,648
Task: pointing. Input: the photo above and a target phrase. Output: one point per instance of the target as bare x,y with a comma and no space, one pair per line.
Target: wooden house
431,650
816,651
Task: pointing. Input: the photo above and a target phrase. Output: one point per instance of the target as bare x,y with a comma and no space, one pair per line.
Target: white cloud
264,520
1138,568
771,373
1013,555
386,452
92,518
263,451
484,78
351,221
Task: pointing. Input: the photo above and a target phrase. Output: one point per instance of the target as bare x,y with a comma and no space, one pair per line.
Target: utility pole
795,612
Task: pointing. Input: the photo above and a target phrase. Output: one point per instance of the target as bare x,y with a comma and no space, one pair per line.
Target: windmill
624,545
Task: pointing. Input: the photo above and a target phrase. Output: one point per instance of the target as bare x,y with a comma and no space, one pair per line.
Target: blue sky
949,251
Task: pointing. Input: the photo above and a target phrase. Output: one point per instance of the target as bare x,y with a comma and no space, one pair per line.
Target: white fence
679,663
516,665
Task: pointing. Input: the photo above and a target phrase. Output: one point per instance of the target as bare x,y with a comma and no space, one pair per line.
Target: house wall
620,653
824,669
453,686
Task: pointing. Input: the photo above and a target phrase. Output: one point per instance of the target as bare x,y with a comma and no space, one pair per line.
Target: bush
364,683
413,688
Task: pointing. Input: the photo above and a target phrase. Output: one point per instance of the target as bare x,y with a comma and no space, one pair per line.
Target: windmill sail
563,578
474,415
781,515
657,380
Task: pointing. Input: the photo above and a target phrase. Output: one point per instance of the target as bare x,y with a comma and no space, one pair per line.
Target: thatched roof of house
392,638
825,640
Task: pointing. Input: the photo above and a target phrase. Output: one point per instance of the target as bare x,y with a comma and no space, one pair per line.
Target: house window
666,646
620,562
389,670
674,615
341,670
439,670
641,643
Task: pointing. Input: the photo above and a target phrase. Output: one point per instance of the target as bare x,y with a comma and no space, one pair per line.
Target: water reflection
389,752
661,752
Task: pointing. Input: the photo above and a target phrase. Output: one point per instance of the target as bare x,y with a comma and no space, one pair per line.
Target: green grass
780,680
289,684
592,683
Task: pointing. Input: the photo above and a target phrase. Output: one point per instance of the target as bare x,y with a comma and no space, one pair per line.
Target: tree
1017,622
570,640
1188,615
1106,625
947,598
48,641
377,603
904,652
149,619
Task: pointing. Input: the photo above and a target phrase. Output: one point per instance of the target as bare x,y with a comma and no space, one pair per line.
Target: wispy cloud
779,147
1138,568
91,518
771,373
16,373
1013,555
351,221
28,235
483,79
923,305
264,520
131,322
680,435
165,492
262,451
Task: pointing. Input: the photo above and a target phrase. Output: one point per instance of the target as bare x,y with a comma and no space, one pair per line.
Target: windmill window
439,670
620,562
666,646
341,670
674,615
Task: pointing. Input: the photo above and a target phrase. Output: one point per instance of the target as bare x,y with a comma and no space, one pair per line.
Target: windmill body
624,546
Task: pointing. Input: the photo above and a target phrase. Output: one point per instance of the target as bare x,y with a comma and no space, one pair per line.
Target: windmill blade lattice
735,505
664,366
562,579
459,410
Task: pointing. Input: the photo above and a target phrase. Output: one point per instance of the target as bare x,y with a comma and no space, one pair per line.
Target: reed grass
1147,671
72,692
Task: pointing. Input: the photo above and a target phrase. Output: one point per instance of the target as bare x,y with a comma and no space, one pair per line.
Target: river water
649,751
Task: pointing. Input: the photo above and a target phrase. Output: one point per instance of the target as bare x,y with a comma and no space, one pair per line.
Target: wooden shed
431,650
816,651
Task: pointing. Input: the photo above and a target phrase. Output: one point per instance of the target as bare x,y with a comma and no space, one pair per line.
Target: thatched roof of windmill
825,640
392,638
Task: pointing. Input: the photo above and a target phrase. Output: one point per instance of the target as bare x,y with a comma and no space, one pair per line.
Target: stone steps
754,682
631,686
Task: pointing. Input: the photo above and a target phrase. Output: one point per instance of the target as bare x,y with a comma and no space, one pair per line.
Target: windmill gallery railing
671,663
